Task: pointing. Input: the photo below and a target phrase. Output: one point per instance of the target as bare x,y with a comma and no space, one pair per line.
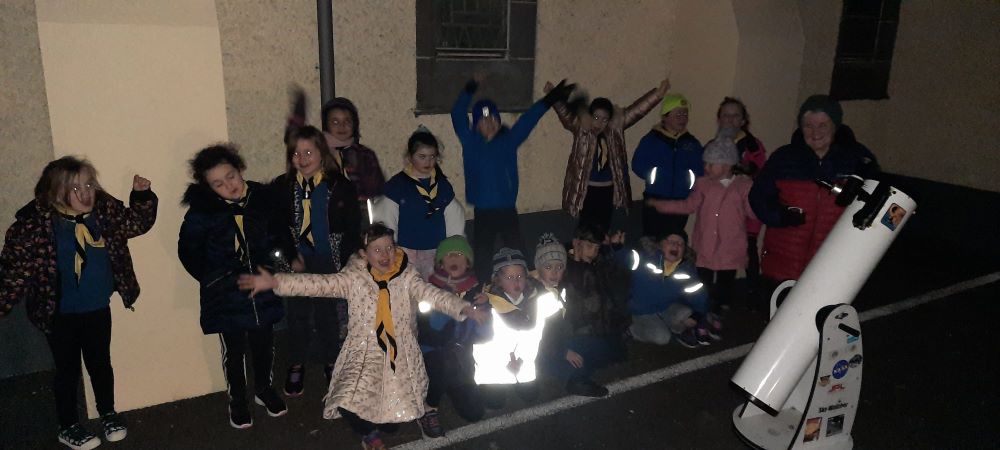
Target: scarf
240,241
385,330
337,147
602,153
307,186
84,238
430,193
670,267
458,286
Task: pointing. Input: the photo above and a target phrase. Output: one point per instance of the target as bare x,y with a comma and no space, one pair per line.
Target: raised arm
644,104
567,118
460,112
141,213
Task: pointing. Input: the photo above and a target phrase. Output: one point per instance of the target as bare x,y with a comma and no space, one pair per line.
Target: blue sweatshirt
672,158
417,229
652,292
491,180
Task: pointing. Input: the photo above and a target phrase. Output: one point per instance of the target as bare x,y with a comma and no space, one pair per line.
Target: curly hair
214,155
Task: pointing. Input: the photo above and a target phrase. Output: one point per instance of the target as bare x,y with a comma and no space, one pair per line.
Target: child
597,181
733,114
447,344
510,358
550,262
342,128
65,254
227,231
379,378
669,159
420,204
489,155
720,201
595,322
318,209
666,298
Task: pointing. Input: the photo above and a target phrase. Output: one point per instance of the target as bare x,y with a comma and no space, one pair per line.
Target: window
864,49
457,38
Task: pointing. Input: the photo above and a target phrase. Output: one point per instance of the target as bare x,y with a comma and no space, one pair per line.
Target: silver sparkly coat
363,381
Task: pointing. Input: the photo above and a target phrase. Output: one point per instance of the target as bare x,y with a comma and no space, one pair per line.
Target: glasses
76,188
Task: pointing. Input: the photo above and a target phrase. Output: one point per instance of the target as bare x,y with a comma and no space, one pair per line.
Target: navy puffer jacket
206,248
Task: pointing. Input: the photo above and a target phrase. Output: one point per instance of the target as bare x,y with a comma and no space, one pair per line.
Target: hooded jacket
28,265
207,251
789,180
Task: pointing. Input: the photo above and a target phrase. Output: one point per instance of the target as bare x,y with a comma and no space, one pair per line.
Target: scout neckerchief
385,331
428,194
670,267
236,207
602,152
84,238
307,186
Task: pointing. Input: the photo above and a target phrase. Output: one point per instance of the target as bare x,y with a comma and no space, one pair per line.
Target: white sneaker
78,438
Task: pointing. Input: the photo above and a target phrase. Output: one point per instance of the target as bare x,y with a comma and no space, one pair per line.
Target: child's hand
257,283
481,298
617,238
298,264
574,359
548,87
140,183
479,315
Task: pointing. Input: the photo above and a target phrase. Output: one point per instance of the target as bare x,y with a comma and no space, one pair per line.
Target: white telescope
783,361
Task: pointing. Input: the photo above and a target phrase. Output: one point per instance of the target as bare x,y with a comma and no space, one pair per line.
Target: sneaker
239,416
296,380
373,441
430,425
688,338
78,438
270,400
586,388
114,427
701,334
714,327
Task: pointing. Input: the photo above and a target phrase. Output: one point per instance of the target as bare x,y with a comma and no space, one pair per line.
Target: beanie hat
822,103
722,149
453,244
484,108
672,102
549,249
508,257
680,232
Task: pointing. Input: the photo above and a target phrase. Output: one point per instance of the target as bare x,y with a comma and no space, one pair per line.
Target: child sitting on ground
447,344
379,378
667,298
720,202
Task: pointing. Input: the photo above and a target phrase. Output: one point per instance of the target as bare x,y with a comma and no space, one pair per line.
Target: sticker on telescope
855,361
836,388
834,425
893,217
852,339
812,429
840,369
824,380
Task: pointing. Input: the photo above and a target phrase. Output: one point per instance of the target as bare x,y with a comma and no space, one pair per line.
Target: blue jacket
491,180
652,292
206,248
672,158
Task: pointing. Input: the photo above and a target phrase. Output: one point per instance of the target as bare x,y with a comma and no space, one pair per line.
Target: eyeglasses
76,188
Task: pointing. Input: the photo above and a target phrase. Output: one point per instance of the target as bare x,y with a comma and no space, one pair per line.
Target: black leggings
446,376
89,334
235,346
487,226
598,207
720,286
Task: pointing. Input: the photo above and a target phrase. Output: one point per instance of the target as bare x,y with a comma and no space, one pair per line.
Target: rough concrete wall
25,148
266,47
944,98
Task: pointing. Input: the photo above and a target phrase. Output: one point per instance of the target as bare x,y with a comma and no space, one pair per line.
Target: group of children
404,308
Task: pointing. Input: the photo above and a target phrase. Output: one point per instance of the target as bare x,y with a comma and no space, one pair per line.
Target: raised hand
140,183
548,87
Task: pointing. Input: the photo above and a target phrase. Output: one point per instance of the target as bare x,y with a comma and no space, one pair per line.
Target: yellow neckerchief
739,136
83,238
602,152
308,186
385,331
670,267
498,302
240,239
338,156
668,133
427,195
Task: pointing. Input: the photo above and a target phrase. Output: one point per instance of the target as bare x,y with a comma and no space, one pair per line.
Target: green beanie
454,244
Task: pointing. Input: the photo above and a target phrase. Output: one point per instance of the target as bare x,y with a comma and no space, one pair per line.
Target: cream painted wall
944,96
137,87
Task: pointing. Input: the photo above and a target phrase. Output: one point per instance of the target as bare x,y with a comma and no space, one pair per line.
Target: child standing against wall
722,209
229,230
64,256
379,379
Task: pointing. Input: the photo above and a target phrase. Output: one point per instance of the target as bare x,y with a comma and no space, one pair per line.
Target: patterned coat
363,381
581,156
28,261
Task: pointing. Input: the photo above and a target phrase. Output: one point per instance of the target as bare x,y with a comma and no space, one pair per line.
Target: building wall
944,99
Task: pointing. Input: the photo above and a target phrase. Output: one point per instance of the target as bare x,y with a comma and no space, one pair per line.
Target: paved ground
929,382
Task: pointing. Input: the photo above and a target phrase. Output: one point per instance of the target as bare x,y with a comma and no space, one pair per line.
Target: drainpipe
324,19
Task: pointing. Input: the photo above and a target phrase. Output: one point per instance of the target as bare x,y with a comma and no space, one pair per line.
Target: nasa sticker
840,369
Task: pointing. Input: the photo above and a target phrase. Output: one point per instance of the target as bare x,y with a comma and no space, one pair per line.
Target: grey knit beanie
508,257
549,249
722,149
